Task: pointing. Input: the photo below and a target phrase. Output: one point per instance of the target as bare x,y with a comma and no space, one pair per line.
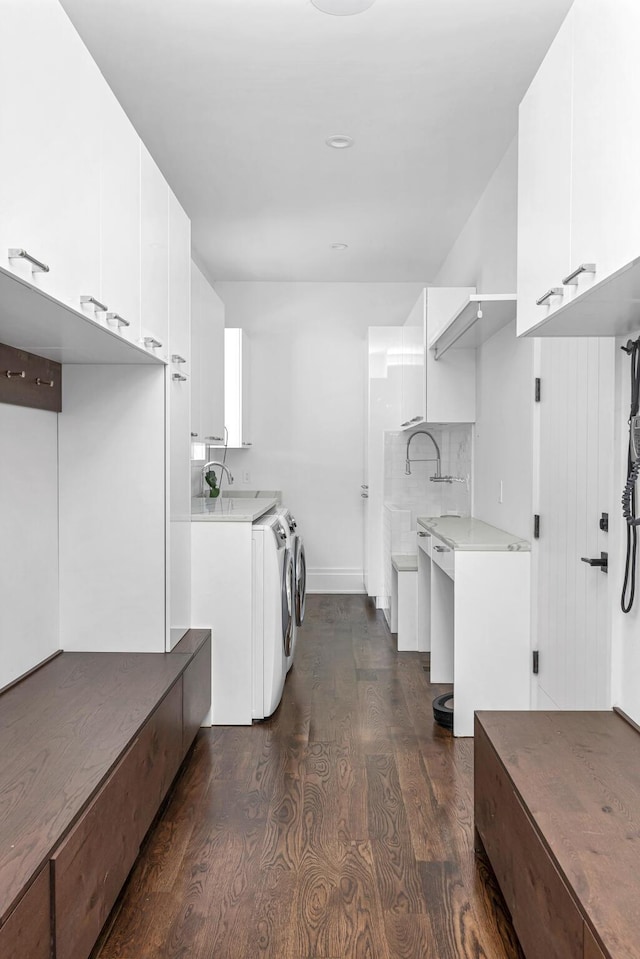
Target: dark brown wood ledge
90,745
557,809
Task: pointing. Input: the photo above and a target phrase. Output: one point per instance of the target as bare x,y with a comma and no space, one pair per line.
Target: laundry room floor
340,828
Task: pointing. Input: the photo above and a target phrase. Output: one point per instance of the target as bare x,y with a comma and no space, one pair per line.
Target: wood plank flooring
341,828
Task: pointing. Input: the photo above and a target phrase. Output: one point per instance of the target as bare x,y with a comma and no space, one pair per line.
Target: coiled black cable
629,493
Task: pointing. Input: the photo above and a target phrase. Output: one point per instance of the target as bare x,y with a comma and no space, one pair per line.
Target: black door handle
603,562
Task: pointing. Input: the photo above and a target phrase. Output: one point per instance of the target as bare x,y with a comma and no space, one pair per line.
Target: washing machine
272,614
295,544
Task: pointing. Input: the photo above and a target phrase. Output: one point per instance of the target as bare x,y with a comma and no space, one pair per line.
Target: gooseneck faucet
438,478
409,461
203,472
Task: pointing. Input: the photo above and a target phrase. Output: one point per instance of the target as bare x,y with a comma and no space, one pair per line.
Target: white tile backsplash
416,493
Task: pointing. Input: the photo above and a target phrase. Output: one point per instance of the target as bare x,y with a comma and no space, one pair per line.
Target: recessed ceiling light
338,247
342,8
339,141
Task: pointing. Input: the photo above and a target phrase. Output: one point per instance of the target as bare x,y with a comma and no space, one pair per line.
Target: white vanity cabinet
579,154
50,160
207,361
154,256
475,605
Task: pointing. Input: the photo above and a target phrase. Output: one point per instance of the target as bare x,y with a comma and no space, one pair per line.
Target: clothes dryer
296,546
273,613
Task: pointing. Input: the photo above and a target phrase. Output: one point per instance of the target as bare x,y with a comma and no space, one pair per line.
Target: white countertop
229,509
467,533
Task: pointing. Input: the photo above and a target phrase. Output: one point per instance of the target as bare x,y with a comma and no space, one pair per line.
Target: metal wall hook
11,373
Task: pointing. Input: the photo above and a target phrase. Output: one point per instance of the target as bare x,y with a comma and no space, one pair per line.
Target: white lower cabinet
50,160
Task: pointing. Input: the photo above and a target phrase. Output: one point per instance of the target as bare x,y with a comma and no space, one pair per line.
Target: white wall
484,256
29,554
308,364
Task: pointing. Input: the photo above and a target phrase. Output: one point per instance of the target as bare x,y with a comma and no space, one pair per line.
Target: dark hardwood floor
341,828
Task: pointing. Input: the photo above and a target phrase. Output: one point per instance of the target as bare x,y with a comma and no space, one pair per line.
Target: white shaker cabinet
154,256
207,361
544,183
237,388
119,219
49,164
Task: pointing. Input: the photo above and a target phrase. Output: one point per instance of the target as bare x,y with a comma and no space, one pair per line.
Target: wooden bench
404,600
557,810
90,744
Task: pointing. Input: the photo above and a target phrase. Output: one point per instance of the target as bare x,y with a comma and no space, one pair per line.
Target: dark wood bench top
62,729
578,775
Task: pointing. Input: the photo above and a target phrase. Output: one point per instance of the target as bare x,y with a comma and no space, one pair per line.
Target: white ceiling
235,98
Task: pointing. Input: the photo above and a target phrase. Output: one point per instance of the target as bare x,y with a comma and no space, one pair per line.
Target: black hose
629,493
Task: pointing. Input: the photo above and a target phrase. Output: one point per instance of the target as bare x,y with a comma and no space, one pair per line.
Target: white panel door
575,488
154,255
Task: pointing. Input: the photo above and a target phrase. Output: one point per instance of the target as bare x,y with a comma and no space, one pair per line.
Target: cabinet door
180,350
49,167
26,931
413,364
544,182
120,218
207,361
606,140
451,380
237,387
154,255
179,286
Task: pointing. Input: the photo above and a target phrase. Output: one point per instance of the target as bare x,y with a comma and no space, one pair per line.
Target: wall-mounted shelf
609,307
482,315
32,320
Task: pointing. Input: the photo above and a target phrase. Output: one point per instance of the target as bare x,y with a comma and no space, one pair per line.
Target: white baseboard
338,580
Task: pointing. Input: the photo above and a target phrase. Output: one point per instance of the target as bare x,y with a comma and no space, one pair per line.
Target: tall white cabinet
95,272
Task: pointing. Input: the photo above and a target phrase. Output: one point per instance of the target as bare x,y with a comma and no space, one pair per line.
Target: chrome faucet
203,472
409,461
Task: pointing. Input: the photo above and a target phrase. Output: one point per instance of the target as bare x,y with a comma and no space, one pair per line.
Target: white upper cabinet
237,388
119,219
544,183
179,286
207,361
413,403
154,256
50,160
606,141
579,156
179,358
450,380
